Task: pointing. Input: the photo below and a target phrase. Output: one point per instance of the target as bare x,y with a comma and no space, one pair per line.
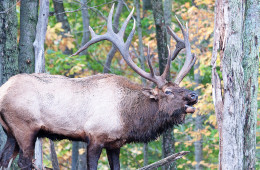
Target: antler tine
95,38
168,65
109,19
149,62
190,58
122,30
180,43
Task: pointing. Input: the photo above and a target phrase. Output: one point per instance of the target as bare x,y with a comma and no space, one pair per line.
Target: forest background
67,31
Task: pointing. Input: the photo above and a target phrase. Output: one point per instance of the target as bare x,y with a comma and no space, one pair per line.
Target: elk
105,110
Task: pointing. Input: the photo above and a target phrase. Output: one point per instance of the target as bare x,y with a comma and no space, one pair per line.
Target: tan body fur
76,108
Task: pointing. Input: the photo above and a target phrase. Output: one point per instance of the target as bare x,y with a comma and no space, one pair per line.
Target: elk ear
151,93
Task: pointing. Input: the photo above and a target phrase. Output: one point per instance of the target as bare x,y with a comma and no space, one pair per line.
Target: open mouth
189,109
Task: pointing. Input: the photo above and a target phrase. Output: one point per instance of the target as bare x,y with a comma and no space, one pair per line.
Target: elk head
171,98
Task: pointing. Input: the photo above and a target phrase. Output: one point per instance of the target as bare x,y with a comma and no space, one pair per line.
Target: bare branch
164,161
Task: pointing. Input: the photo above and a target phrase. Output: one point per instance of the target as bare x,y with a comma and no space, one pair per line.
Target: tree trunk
240,59
62,17
251,36
140,37
161,38
75,155
85,39
28,21
142,62
147,5
219,33
115,28
168,17
82,162
8,47
198,125
54,159
38,45
161,35
85,20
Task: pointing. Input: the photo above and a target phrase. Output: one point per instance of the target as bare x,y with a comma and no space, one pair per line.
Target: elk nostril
193,96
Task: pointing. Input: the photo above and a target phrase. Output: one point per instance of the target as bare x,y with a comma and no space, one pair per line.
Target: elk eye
168,92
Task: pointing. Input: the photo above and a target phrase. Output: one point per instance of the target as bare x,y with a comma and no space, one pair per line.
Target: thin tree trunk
62,17
75,155
140,37
28,21
145,150
85,20
8,48
82,162
147,5
40,36
54,158
198,125
161,38
219,33
38,45
142,62
169,136
115,28
251,37
168,16
85,39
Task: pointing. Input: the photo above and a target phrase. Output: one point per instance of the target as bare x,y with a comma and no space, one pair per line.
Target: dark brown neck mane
144,122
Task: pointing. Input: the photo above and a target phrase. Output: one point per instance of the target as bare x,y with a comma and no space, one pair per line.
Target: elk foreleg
9,151
94,151
26,141
25,162
113,158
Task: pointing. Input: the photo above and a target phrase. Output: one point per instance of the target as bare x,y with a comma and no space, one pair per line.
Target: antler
123,47
190,58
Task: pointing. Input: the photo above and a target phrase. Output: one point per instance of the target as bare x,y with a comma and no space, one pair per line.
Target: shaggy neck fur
145,122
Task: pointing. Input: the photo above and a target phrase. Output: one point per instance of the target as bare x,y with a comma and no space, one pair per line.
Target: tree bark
219,33
198,125
142,62
54,159
82,162
28,21
8,47
168,17
75,155
38,45
140,37
251,36
62,17
41,29
161,37
85,39
115,28
85,20
236,34
147,5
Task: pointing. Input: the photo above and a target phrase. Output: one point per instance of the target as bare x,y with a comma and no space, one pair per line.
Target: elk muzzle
192,98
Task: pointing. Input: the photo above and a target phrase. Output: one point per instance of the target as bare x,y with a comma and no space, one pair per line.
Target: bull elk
105,110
